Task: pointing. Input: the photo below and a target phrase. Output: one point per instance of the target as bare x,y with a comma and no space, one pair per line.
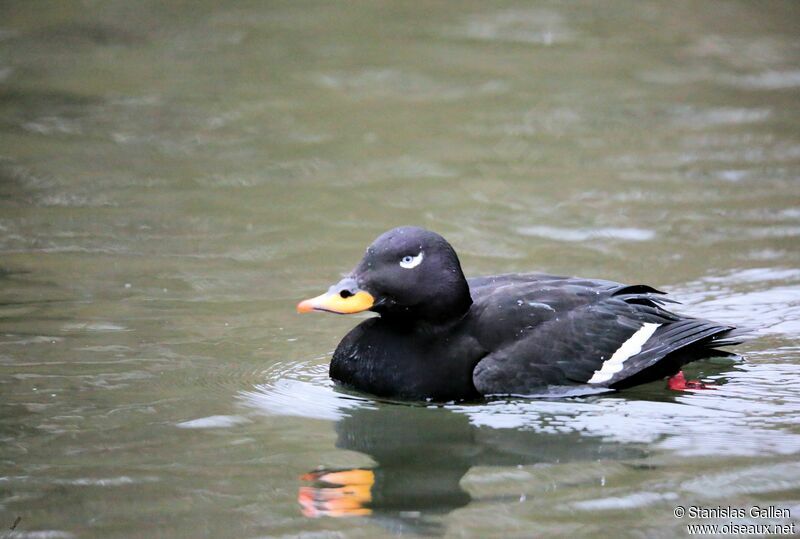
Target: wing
614,333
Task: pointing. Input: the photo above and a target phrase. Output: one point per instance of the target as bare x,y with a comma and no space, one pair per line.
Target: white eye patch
409,262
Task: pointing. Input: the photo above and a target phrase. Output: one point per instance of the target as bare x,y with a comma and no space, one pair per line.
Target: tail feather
736,335
672,346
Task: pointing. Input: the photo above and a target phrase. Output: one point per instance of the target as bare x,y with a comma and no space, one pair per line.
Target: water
175,177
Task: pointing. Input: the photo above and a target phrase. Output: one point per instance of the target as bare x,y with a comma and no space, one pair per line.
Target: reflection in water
421,455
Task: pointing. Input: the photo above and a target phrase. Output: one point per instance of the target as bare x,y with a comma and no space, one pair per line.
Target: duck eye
409,261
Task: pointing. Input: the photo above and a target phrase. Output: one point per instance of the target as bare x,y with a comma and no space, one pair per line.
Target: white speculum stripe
413,263
629,348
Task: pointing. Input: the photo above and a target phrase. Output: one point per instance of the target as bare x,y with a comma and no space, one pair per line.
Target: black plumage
443,337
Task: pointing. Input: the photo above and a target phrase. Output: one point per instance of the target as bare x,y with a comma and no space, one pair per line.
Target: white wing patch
410,262
629,348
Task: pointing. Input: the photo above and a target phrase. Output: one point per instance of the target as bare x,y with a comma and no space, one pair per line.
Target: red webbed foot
680,383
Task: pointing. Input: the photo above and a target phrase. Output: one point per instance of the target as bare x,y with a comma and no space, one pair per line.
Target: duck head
407,272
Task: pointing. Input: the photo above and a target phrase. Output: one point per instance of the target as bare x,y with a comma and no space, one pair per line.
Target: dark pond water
175,176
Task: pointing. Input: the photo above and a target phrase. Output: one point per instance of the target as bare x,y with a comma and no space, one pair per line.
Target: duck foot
680,383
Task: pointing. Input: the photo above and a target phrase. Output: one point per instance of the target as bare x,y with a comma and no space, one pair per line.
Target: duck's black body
442,337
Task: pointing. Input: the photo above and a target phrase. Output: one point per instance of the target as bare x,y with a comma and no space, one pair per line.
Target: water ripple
764,299
585,234
700,428
302,390
530,26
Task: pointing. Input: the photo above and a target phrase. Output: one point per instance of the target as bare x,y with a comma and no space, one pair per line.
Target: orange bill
337,302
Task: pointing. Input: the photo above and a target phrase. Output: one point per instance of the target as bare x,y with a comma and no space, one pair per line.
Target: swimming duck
442,337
